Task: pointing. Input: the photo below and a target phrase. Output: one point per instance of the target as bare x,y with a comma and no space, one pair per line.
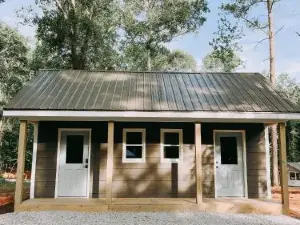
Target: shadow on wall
153,178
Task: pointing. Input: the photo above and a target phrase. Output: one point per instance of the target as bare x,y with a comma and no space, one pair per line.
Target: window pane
297,176
134,152
171,138
292,176
229,150
171,152
74,149
134,138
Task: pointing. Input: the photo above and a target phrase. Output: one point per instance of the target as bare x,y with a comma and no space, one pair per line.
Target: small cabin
294,174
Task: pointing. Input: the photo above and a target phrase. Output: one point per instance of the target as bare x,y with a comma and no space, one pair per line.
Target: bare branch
297,33
264,39
266,59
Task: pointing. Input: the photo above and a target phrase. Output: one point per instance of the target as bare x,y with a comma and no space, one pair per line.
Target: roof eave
159,116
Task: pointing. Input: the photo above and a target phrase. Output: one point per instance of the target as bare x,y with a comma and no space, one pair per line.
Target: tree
242,10
223,57
148,24
14,64
78,34
212,63
291,88
135,59
175,61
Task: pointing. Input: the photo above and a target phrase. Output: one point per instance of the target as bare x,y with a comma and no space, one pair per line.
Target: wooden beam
109,168
283,170
21,163
198,162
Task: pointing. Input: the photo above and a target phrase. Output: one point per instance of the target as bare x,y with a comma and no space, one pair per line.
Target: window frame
296,173
162,145
124,145
290,173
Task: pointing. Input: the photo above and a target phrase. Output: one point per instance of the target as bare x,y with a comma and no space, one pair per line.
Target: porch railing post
283,170
109,168
198,162
21,163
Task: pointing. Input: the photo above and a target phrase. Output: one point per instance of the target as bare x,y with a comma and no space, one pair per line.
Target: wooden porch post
198,162
283,170
109,168
21,163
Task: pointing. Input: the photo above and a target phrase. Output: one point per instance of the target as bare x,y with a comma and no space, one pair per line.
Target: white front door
73,164
229,164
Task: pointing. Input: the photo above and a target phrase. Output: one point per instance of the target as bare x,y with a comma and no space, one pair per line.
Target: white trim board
151,116
34,155
268,164
58,155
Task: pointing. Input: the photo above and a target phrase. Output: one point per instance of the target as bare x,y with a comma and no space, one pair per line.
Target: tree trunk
149,60
273,82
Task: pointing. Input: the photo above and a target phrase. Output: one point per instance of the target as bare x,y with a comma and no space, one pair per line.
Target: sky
287,43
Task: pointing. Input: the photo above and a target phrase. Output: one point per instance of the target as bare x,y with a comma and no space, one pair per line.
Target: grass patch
8,187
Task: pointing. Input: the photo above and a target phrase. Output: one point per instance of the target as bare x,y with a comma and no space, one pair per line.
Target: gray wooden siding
153,178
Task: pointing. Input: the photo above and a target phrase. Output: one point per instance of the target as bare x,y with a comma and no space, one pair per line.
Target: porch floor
226,205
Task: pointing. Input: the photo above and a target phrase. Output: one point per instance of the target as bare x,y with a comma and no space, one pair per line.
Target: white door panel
73,164
229,165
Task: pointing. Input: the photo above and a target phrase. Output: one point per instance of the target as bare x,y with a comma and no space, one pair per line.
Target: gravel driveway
115,218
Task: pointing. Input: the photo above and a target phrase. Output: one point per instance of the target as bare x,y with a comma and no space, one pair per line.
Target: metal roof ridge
153,72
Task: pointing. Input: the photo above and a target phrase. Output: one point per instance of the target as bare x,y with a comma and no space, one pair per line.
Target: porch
118,185
221,205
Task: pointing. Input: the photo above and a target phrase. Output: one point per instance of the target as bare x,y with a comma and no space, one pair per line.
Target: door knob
86,166
217,167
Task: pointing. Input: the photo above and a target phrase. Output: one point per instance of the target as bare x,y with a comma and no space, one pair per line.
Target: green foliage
291,89
148,24
214,63
78,34
225,45
175,61
13,63
9,147
163,60
243,10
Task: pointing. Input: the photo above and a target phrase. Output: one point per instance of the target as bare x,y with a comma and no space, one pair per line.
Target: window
74,149
292,176
134,147
171,145
297,176
229,153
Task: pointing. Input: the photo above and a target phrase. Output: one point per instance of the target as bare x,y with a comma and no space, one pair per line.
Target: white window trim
291,174
296,176
34,156
129,130
162,141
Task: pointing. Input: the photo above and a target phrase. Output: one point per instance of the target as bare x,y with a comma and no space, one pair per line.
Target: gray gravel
130,218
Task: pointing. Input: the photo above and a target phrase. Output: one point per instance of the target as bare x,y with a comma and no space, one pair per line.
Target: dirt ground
294,199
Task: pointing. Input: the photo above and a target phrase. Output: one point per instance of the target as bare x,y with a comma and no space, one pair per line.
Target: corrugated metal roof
150,91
